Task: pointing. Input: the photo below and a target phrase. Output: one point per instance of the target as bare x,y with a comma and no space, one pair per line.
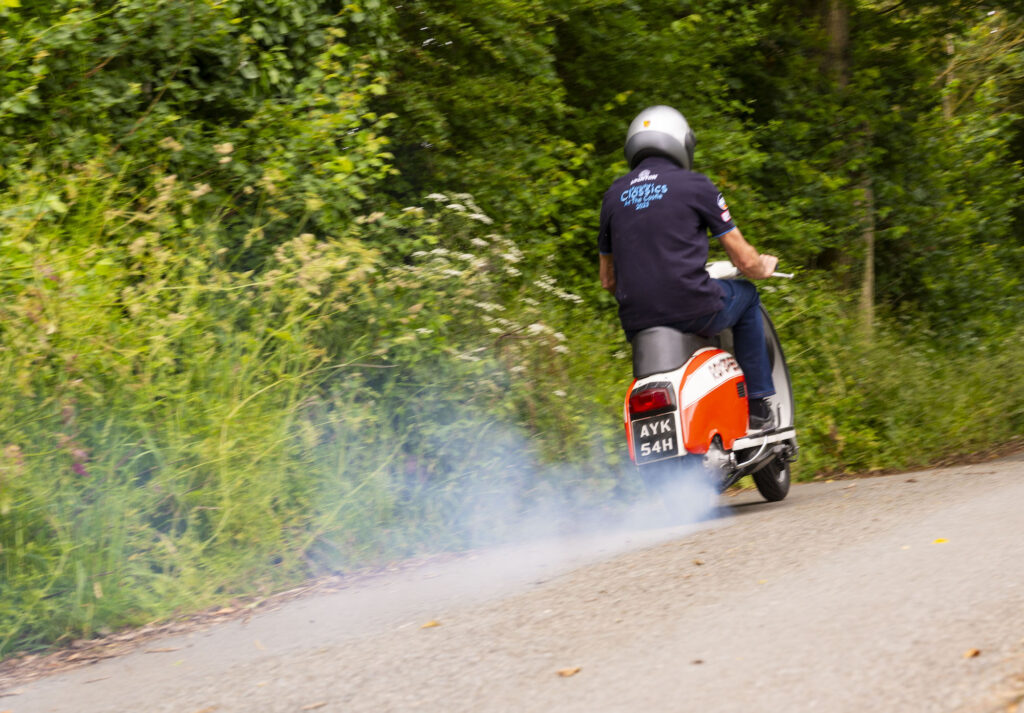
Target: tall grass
175,431
898,399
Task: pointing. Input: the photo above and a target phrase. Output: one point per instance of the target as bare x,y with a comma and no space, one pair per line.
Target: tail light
651,397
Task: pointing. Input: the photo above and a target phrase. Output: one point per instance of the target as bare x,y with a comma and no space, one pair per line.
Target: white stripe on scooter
701,382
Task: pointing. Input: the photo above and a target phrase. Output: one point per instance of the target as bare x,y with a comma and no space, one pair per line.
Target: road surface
896,593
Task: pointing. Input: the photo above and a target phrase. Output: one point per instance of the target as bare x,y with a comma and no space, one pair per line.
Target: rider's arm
607,270
744,256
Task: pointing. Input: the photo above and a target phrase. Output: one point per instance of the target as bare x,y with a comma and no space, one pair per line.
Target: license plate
655,438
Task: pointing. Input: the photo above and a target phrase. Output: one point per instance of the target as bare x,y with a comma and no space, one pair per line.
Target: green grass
175,433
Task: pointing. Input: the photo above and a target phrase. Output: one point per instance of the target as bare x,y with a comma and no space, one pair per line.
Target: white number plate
655,438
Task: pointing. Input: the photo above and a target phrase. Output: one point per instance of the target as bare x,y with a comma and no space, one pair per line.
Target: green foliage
287,288
898,401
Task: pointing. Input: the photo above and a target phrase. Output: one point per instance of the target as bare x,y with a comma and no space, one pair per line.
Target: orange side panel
721,412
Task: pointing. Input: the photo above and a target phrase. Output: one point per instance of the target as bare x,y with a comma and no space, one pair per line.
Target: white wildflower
559,336
545,283
439,197
620,354
424,331
479,242
560,349
559,392
537,328
170,144
456,207
481,217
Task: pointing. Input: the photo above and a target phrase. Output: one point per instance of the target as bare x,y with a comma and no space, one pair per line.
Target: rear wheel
684,486
772,480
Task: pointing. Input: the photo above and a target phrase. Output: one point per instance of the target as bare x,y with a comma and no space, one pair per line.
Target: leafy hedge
287,289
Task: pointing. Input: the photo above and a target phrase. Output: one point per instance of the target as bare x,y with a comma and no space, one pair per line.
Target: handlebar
725,270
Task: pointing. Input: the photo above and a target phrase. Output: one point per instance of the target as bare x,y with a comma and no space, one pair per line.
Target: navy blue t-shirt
655,222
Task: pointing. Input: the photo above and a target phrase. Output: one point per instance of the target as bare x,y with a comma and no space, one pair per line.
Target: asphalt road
897,593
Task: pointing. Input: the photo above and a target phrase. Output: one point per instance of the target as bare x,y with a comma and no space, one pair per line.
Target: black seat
660,349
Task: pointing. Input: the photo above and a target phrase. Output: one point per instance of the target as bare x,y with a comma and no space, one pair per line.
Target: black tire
772,481
684,487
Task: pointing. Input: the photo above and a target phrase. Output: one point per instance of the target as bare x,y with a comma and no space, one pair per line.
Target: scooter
686,413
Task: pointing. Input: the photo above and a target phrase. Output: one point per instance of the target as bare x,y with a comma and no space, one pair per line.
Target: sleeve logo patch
726,216
721,202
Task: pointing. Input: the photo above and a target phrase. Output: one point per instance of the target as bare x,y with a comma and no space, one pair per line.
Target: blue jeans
741,311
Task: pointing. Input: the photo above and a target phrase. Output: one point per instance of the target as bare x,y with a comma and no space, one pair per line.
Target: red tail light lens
650,399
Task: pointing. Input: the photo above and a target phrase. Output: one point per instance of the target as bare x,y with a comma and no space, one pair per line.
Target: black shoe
756,424
762,417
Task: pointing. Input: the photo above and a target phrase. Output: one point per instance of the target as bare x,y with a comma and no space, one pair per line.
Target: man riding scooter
653,242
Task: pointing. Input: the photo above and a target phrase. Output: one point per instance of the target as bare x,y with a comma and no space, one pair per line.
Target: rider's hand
768,265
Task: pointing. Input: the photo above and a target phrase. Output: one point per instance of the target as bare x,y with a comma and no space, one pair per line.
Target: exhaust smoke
515,521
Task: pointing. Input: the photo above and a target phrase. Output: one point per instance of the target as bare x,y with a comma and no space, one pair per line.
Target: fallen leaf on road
314,706
259,644
940,541
566,672
431,624
698,562
971,653
164,650
208,709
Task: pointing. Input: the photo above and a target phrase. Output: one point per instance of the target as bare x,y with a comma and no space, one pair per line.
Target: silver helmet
662,131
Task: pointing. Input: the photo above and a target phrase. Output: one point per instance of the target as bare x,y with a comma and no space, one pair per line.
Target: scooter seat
660,349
